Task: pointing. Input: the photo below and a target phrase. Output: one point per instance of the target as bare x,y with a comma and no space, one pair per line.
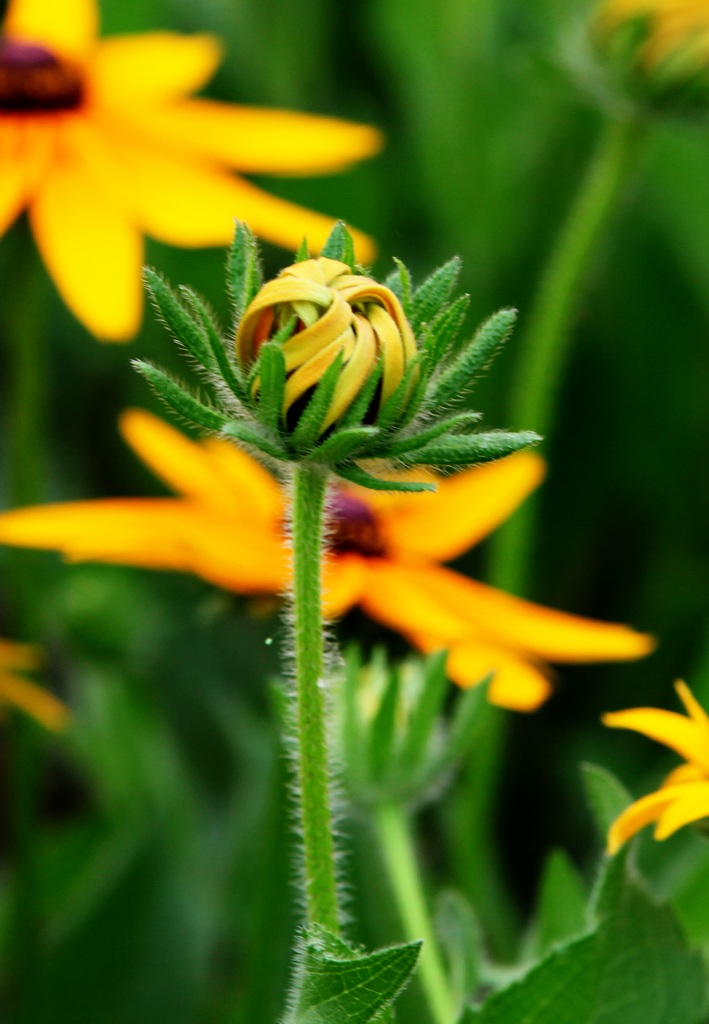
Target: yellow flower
675,28
339,314
684,795
385,554
101,143
16,659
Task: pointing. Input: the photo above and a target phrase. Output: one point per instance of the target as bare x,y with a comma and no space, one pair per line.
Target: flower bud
334,312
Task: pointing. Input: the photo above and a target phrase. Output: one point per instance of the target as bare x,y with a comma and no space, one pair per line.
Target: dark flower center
33,79
353,526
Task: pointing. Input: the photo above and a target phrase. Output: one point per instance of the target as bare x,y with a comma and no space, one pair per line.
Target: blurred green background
163,871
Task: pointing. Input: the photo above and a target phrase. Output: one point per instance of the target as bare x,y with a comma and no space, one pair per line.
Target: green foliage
272,385
179,400
243,270
462,941
309,426
607,796
633,967
338,985
561,908
181,324
470,449
430,298
475,357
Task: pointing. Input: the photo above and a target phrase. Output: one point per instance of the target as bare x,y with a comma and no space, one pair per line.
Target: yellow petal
18,657
685,773
344,580
694,708
675,731
68,27
259,140
638,815
691,804
151,67
91,250
25,152
543,632
37,702
160,533
401,598
464,509
252,487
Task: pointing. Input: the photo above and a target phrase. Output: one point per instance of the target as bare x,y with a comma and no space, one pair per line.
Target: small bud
334,313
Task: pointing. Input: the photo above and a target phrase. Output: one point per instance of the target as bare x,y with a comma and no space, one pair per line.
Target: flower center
33,79
353,526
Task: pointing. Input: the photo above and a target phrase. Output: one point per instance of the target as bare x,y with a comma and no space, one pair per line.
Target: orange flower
385,550
684,795
101,144
21,693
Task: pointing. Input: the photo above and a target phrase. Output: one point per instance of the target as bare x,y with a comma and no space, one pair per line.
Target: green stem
401,864
313,766
543,348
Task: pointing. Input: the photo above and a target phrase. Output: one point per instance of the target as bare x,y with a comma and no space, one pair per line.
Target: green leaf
464,730
338,985
272,370
182,325
243,270
633,968
340,246
246,434
607,796
399,282
561,909
181,401
475,357
393,411
309,425
444,329
429,298
343,444
422,437
425,712
470,449
357,475
228,371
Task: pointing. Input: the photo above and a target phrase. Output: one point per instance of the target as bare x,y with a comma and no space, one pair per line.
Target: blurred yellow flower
674,27
684,795
385,550
15,690
101,143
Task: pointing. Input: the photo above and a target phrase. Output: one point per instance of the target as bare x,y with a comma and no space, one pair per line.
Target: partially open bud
659,48
326,311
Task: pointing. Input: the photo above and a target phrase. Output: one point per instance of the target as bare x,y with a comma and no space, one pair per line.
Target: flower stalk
313,767
397,847
544,347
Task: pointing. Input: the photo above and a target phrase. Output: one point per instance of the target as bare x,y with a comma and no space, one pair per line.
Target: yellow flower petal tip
21,693
106,144
683,797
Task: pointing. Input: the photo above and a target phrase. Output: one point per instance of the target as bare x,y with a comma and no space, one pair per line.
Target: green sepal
445,328
475,357
229,372
359,408
399,282
339,245
269,444
470,449
419,384
184,328
310,422
382,729
606,795
179,400
393,411
417,440
303,252
272,370
335,984
425,713
357,475
431,296
285,332
243,270
343,444
462,732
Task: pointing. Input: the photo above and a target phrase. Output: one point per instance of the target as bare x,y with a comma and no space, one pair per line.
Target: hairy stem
313,764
